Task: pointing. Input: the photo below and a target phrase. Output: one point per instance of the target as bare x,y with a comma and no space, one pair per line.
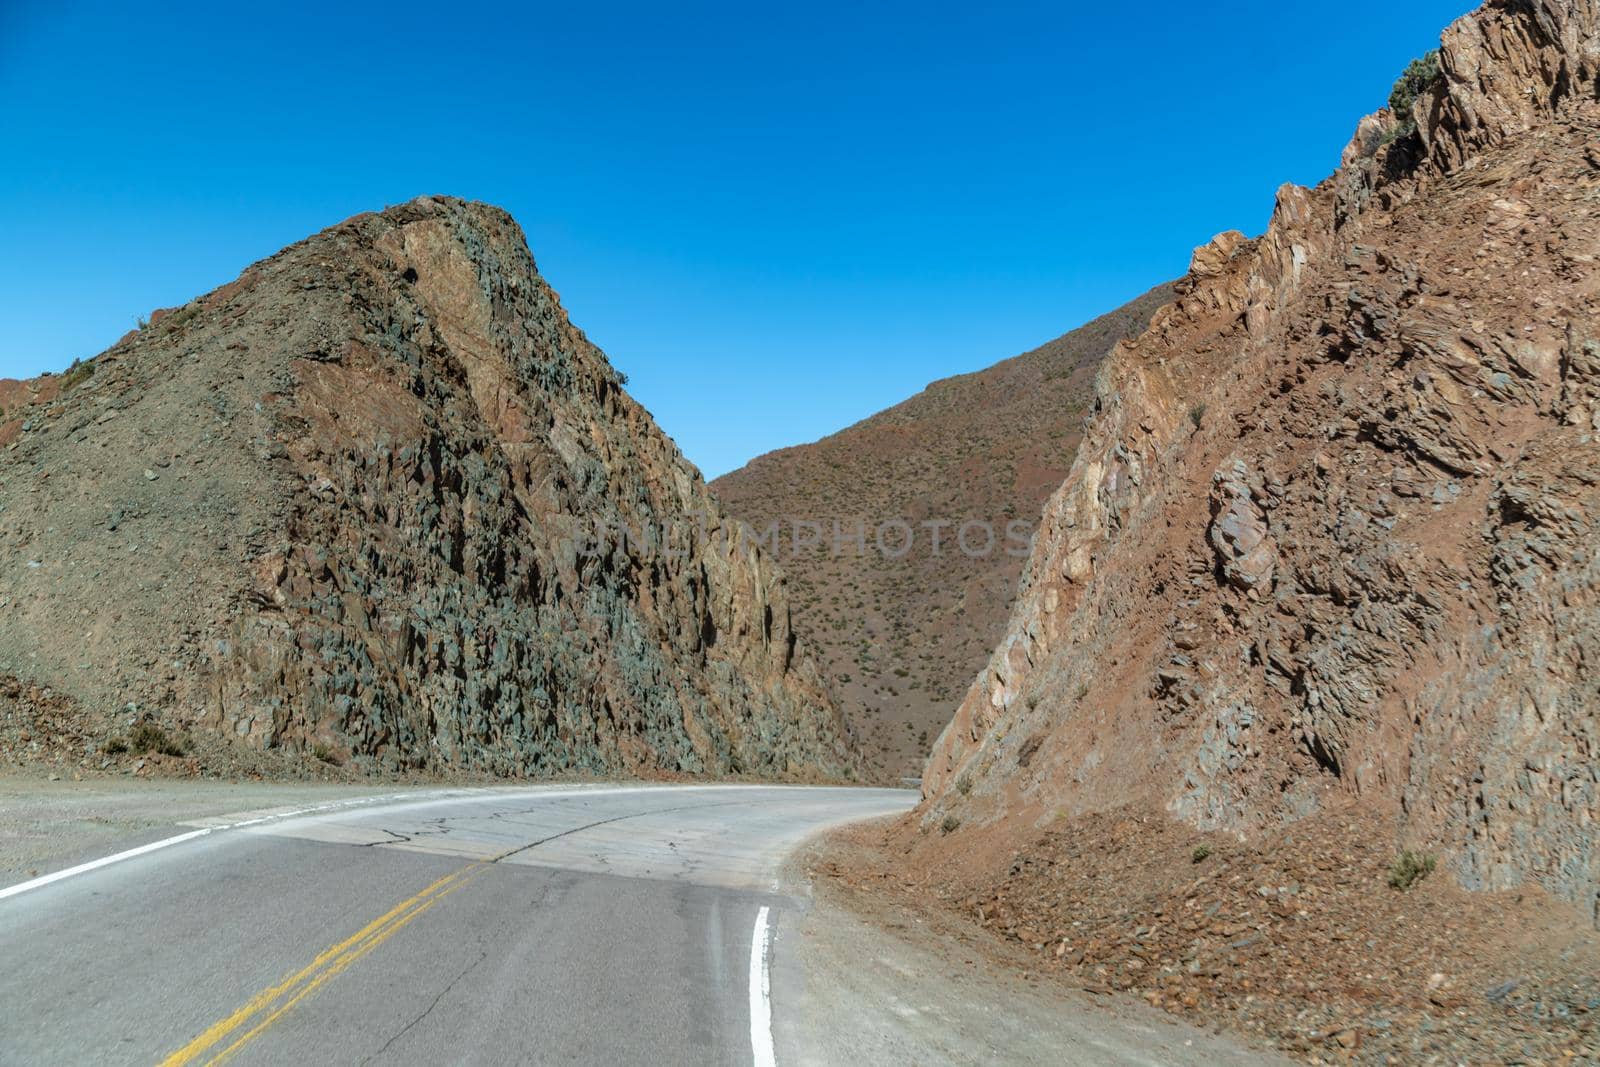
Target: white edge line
103,861
442,796
118,857
760,996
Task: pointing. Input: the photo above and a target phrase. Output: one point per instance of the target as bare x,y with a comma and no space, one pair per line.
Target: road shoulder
860,977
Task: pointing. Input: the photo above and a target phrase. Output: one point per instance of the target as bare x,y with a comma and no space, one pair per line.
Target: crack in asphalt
397,838
604,822
441,829
483,954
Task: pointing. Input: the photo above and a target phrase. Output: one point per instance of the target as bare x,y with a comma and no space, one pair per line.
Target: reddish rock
1329,543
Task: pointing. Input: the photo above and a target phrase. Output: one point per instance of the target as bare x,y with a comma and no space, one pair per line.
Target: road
576,924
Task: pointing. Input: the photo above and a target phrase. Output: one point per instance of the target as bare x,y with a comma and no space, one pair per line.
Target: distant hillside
900,639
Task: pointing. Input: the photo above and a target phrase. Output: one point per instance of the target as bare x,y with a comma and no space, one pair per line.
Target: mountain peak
379,498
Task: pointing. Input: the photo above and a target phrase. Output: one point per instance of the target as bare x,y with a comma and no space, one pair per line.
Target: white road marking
428,797
106,861
273,816
103,861
760,996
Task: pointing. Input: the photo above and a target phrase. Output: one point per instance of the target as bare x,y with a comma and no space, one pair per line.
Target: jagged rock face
380,497
1239,535
1332,532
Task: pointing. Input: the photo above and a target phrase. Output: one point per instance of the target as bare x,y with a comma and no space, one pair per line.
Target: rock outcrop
379,499
1331,536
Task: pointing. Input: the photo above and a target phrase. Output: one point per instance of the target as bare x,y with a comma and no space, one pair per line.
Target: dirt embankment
1299,941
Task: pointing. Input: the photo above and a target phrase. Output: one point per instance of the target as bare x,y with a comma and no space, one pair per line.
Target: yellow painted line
327,964
342,964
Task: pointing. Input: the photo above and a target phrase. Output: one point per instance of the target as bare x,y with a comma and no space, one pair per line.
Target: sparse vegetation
148,737
1197,415
181,318
76,374
325,754
114,746
1200,853
1409,868
950,823
964,783
1419,77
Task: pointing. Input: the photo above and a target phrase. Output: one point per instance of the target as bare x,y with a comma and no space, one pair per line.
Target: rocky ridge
1321,585
378,499
1331,532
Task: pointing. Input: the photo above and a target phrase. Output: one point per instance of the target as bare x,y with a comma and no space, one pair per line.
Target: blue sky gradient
775,219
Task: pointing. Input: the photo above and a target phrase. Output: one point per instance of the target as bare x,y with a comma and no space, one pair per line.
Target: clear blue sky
776,219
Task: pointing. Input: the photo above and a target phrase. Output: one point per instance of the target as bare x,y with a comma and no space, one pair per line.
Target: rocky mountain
1332,530
1322,590
378,500
1328,550
900,633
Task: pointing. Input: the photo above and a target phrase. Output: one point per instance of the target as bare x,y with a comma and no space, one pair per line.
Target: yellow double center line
270,1005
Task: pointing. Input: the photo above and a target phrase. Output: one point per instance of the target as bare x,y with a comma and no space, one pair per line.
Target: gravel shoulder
1301,939
859,977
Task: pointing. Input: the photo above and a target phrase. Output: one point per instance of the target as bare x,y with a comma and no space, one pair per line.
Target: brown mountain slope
1323,584
366,501
899,636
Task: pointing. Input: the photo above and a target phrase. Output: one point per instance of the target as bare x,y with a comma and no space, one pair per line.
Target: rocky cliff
380,500
1331,536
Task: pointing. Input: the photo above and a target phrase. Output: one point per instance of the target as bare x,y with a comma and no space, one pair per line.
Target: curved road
594,924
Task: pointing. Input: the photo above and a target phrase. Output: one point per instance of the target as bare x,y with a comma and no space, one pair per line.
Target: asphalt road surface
611,925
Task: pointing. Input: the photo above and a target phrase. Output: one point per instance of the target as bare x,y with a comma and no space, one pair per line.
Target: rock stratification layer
1331,535
380,499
